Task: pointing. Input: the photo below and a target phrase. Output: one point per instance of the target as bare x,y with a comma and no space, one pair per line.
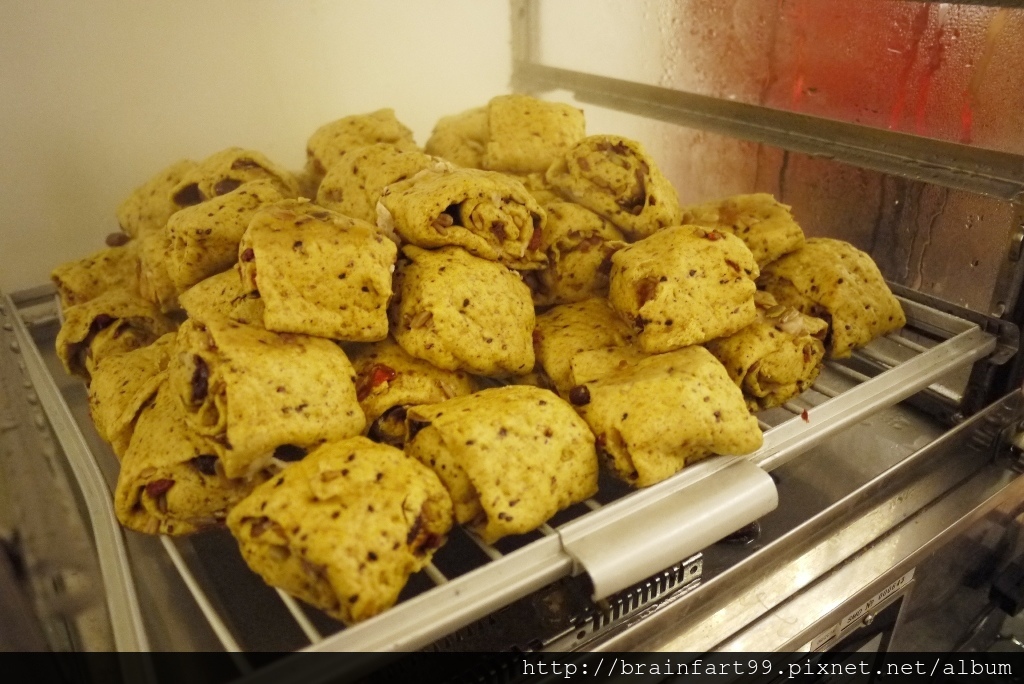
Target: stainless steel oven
894,125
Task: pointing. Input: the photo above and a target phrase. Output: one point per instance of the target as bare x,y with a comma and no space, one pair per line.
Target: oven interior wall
100,96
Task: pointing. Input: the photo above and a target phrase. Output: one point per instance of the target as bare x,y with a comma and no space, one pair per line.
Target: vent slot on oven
472,587
562,616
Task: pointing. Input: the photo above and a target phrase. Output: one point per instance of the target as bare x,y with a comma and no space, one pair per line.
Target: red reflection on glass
934,69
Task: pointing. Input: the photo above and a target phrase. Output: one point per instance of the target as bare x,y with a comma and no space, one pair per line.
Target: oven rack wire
933,345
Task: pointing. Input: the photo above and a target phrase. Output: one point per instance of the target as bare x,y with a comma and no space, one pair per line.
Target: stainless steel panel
119,585
54,594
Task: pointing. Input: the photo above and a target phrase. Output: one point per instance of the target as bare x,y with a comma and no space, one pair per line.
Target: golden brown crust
113,323
684,285
765,225
226,170
355,184
834,280
567,330
461,312
665,412
387,378
774,358
511,457
149,206
525,135
488,214
203,239
318,272
121,385
461,138
616,178
579,245
108,269
344,528
217,295
330,142
155,283
171,481
263,397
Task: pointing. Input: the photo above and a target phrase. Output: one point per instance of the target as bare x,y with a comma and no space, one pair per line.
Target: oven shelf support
952,165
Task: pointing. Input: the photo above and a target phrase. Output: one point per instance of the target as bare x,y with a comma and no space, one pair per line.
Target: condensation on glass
943,71
948,71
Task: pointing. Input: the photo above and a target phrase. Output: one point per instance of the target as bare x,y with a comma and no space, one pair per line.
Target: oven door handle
681,516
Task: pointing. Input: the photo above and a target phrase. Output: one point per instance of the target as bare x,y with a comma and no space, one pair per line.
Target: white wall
97,95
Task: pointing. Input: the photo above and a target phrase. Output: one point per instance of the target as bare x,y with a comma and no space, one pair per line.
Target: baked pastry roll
224,171
113,323
537,185
330,142
566,330
835,281
460,312
203,238
263,397
171,481
665,412
217,295
222,295
354,185
344,529
122,385
593,364
616,178
389,381
108,269
526,135
684,285
486,213
318,272
765,225
512,133
511,457
150,205
579,245
155,282
776,357
461,138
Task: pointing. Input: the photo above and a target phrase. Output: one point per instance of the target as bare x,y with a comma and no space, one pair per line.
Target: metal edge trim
786,441
122,601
